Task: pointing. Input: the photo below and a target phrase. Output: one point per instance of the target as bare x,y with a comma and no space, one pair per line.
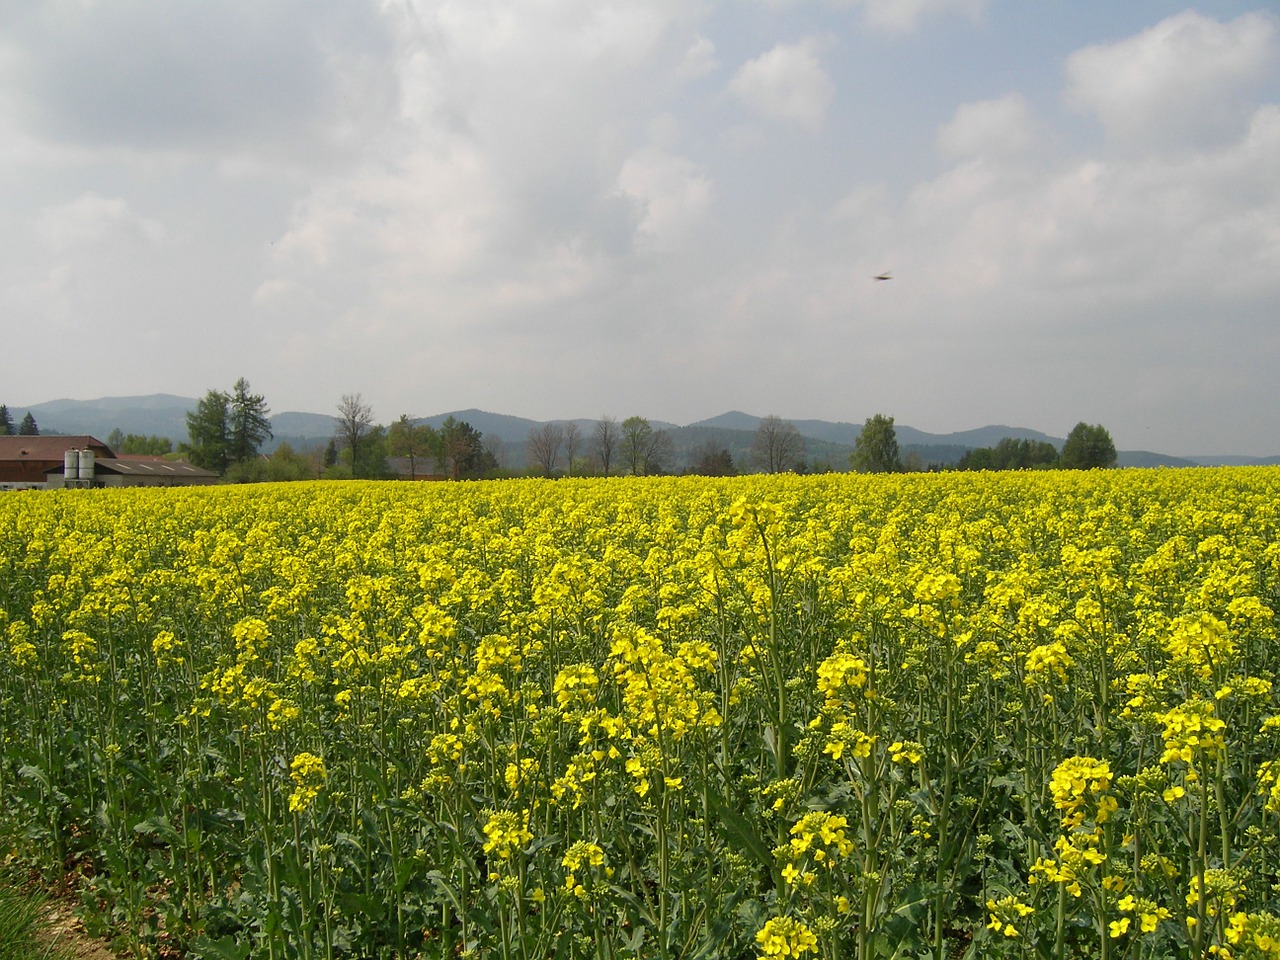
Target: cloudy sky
672,208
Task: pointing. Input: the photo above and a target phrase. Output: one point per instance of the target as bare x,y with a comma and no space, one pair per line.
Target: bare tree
777,446
545,442
637,434
645,451
604,442
660,453
494,446
355,421
572,444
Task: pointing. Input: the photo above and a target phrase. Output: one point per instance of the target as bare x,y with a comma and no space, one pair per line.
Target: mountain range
826,442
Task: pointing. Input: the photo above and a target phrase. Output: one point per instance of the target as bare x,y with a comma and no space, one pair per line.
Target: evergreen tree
6,422
209,432
248,424
28,426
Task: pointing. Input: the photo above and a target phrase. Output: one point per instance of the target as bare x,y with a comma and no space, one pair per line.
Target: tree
604,443
415,441
372,461
462,451
495,449
644,450
1010,454
6,421
1088,447
544,444
876,449
777,446
659,455
289,464
138,445
248,423
355,420
572,444
711,459
636,439
28,426
208,430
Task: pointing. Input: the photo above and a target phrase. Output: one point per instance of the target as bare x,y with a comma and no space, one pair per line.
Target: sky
665,208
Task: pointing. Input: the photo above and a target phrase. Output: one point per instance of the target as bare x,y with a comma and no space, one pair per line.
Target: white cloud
699,60
291,79
902,16
91,219
1187,81
671,191
991,128
787,83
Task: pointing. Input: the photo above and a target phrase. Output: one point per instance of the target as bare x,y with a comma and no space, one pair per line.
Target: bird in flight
883,276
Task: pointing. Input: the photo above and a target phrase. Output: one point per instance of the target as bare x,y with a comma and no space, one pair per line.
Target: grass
20,922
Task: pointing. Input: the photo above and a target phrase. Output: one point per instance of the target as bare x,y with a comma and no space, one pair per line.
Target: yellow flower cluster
1079,788
506,833
307,771
786,937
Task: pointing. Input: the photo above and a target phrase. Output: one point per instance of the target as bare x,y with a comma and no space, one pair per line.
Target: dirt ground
64,932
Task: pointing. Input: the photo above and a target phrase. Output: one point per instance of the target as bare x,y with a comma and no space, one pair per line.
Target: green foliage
1010,454
462,455
289,464
876,449
248,423
227,428
28,426
1088,447
6,421
643,450
712,460
138,445
414,441
208,428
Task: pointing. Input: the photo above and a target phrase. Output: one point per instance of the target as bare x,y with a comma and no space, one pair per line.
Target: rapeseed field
983,715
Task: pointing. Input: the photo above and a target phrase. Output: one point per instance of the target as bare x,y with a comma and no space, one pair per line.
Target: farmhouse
83,461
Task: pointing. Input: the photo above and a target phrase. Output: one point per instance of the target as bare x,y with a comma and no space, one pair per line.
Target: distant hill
1227,461
826,442
847,433
1144,458
316,426
160,414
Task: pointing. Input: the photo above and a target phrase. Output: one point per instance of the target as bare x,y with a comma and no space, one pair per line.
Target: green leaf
224,948
743,832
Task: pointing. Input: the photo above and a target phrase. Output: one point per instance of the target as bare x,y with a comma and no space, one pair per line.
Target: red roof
50,449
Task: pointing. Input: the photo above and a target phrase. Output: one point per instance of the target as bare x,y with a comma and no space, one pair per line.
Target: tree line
227,430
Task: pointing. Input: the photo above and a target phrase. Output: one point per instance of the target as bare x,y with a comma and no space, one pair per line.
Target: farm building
84,461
